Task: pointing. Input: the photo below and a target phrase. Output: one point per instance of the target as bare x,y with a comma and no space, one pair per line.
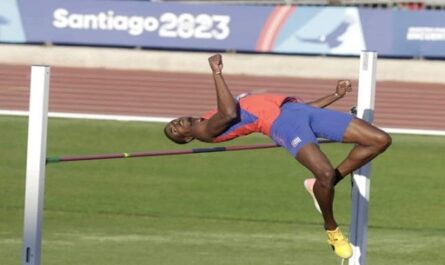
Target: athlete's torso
256,114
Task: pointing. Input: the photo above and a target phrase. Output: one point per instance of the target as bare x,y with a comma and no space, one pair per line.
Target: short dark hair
172,139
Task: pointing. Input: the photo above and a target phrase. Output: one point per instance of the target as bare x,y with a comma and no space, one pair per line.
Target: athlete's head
179,130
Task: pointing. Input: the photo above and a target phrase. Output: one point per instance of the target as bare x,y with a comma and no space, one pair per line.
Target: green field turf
231,208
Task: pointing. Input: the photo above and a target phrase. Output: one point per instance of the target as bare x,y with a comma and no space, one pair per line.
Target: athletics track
166,94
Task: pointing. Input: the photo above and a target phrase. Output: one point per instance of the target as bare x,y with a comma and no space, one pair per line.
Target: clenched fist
216,63
343,87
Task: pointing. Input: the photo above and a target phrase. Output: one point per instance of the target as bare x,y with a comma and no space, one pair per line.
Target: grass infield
236,208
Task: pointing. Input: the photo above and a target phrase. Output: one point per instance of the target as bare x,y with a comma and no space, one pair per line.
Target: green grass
218,208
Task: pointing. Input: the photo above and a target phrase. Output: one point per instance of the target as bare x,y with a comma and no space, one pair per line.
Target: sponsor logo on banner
144,24
167,25
425,34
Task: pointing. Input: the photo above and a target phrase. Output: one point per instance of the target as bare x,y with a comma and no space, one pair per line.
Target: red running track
166,94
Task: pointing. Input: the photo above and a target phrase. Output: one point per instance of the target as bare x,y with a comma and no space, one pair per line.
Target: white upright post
35,165
361,177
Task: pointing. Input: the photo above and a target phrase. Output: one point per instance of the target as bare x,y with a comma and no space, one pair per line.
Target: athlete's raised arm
343,87
226,106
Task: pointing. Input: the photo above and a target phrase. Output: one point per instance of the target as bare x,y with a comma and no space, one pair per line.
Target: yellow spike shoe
339,243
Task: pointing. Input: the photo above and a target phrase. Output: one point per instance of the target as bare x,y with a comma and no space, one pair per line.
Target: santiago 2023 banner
244,28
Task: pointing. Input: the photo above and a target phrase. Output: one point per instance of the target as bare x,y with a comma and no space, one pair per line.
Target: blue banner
405,33
421,34
136,23
245,28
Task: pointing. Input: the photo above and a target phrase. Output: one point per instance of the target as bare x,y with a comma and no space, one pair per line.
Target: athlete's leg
370,141
297,135
313,159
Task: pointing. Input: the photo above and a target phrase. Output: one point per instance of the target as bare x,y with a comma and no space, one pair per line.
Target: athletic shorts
299,124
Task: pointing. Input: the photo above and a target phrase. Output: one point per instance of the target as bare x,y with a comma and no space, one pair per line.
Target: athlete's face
179,130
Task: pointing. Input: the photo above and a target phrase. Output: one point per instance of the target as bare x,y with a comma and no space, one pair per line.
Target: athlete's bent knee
383,141
325,178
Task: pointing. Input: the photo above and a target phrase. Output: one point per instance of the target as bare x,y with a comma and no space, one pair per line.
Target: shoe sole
309,190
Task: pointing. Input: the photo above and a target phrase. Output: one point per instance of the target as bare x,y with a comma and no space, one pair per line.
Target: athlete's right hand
343,87
216,63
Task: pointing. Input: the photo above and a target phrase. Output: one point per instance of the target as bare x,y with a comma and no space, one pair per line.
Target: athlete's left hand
343,87
216,63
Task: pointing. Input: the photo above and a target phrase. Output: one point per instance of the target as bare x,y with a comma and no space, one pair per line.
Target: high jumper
294,125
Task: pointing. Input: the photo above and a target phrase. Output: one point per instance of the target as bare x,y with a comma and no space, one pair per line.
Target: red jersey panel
256,113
